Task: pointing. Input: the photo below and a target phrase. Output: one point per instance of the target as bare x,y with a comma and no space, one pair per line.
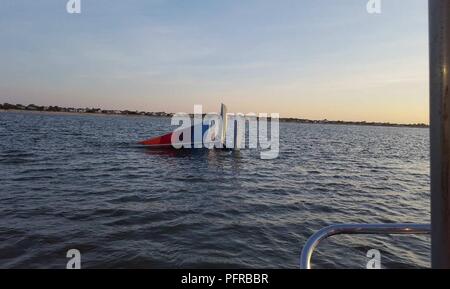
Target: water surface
80,181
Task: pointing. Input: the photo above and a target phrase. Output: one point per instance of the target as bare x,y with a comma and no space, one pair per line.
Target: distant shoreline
66,113
99,112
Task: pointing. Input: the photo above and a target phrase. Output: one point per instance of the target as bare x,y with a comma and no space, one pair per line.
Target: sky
315,59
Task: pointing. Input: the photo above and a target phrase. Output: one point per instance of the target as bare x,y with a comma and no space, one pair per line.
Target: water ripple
82,182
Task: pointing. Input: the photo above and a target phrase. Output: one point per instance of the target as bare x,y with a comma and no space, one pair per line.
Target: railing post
439,25
352,229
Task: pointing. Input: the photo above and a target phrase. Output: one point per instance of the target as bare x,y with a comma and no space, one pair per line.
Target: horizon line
96,110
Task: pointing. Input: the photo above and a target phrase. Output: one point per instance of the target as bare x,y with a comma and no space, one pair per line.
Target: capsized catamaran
166,140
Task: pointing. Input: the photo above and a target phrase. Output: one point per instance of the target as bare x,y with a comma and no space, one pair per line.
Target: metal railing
353,229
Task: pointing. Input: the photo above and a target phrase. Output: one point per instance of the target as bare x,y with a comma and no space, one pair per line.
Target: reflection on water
72,181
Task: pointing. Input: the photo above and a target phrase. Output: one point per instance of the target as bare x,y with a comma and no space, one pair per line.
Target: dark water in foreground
71,181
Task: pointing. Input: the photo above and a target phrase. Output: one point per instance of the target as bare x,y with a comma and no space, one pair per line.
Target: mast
439,17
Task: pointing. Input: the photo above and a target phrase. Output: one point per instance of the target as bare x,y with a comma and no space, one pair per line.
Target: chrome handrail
352,229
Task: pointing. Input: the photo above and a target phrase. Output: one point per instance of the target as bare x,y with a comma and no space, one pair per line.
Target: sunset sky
316,59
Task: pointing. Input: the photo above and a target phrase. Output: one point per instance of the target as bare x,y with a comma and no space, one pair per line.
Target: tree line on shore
33,107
